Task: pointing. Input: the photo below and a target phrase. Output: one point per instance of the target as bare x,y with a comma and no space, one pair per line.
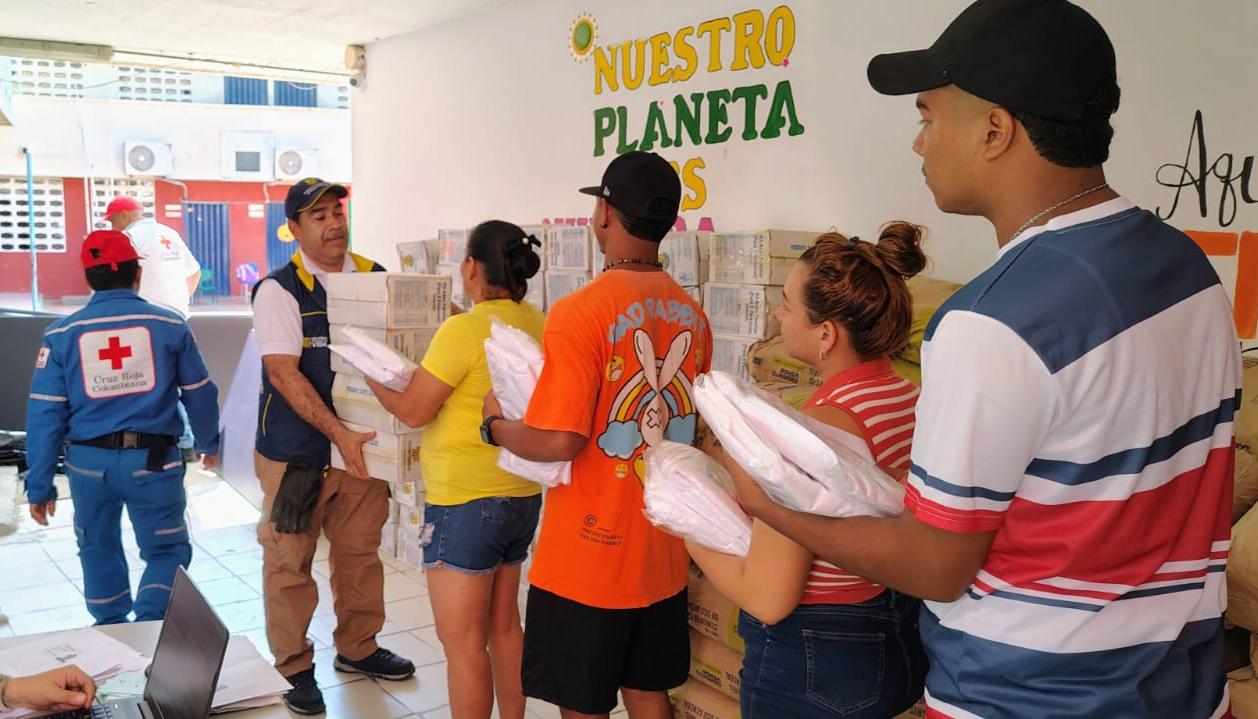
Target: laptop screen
188,657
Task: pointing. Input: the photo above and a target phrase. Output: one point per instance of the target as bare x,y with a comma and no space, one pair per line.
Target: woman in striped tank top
821,641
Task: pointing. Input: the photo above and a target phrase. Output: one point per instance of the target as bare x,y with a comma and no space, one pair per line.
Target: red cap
107,247
122,203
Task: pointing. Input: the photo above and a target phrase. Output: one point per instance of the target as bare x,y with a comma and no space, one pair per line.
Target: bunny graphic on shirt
652,405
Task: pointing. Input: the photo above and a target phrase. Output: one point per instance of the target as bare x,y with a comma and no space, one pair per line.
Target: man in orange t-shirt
607,601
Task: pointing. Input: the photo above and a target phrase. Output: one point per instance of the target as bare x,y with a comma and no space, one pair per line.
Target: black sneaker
304,697
381,664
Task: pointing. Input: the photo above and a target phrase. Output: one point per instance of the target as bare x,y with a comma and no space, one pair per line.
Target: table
142,636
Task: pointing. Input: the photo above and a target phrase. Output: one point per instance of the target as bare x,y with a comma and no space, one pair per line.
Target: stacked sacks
716,655
1245,490
1242,568
769,365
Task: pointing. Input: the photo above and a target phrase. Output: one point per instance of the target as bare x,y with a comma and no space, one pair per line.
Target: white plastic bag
684,494
375,360
515,363
801,463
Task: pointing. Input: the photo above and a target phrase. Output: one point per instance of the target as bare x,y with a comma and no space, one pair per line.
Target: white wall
490,116
80,138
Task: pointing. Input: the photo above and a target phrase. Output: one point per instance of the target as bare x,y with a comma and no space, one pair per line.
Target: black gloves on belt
295,500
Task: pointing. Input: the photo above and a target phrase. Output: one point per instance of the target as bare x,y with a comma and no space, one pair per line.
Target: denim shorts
479,536
856,661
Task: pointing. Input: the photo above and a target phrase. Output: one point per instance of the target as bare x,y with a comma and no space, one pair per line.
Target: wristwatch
486,435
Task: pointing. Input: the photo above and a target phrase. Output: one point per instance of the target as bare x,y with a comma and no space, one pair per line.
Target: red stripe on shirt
851,391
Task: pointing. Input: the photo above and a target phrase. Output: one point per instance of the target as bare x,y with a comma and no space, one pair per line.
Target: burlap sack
711,614
1245,489
1242,573
768,362
715,664
696,700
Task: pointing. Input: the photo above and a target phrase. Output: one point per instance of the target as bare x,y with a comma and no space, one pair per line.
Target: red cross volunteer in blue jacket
106,385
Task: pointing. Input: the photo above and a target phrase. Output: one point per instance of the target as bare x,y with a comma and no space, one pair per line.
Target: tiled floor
40,568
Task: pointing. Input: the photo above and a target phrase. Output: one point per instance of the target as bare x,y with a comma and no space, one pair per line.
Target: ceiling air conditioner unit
150,159
293,164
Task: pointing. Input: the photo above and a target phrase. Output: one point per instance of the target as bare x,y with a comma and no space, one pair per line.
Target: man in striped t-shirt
1069,500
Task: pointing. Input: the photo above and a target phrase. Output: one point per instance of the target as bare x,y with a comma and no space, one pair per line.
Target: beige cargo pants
351,512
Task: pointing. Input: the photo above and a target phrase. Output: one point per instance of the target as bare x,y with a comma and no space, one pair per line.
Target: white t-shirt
166,263
276,316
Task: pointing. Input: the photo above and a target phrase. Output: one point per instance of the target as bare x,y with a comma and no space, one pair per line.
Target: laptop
185,667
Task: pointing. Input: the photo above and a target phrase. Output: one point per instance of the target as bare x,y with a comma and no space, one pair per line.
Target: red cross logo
115,353
166,243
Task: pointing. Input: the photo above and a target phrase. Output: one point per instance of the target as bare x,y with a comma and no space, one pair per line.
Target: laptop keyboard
97,711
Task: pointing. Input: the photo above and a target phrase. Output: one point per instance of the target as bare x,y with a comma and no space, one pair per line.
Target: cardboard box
598,259
408,494
696,700
729,354
918,711
768,361
388,539
560,284
354,402
756,258
715,664
409,550
417,257
410,522
451,246
711,614
410,342
389,457
457,294
387,299
742,310
536,295
685,256
569,247
377,468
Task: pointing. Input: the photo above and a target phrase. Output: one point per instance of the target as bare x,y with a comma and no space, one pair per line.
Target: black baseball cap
1042,57
307,192
642,185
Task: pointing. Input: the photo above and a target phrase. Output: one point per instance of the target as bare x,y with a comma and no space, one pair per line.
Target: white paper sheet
97,654
247,680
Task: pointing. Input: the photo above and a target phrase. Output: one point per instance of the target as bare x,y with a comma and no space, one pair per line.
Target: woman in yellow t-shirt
478,519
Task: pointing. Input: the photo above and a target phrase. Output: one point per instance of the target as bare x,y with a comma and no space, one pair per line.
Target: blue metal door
207,231
278,252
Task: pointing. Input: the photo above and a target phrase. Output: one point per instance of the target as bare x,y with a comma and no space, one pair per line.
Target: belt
156,444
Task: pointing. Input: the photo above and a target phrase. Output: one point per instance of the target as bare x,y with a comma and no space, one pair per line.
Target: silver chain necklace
1063,203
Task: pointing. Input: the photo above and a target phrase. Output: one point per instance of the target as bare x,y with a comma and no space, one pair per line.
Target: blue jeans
479,536
102,481
186,440
856,661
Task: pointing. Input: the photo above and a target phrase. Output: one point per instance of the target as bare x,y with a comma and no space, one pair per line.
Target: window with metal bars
49,203
105,189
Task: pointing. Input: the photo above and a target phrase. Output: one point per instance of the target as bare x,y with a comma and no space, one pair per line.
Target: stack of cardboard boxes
747,272
537,285
451,246
685,257
403,311
569,260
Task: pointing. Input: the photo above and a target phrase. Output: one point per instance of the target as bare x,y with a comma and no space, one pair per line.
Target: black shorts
578,657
